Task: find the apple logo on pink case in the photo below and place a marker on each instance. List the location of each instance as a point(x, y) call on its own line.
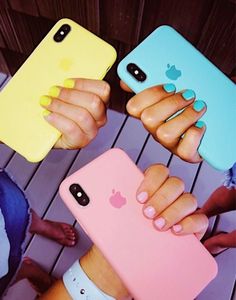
point(117, 200)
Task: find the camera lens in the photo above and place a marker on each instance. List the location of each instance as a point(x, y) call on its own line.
point(62, 33)
point(136, 72)
point(79, 194)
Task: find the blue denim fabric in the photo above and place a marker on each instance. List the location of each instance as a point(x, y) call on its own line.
point(15, 209)
point(230, 177)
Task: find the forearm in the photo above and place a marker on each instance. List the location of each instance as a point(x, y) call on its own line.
point(98, 271)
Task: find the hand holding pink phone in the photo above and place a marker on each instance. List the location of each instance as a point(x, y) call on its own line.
point(153, 265)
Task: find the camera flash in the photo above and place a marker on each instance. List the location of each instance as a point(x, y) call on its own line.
point(62, 32)
point(136, 72)
point(79, 194)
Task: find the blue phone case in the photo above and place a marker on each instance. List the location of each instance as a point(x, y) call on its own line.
point(165, 56)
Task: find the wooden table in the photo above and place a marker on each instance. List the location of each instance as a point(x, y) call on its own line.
point(40, 183)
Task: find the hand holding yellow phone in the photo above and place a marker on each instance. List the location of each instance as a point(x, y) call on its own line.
point(68, 51)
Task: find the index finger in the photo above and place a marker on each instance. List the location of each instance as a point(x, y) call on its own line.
point(98, 87)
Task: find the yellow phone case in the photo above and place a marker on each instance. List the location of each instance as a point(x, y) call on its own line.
point(80, 54)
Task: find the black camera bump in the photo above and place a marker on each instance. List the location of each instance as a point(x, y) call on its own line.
point(136, 72)
point(62, 33)
point(79, 194)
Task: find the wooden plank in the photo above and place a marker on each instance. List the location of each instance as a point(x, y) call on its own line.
point(184, 170)
point(121, 19)
point(5, 154)
point(221, 287)
point(48, 176)
point(188, 17)
point(29, 30)
point(15, 167)
point(219, 34)
point(86, 13)
point(3, 65)
point(132, 137)
point(153, 153)
point(2, 42)
point(11, 60)
point(3, 77)
point(119, 98)
point(20, 290)
point(7, 29)
point(208, 180)
point(26, 6)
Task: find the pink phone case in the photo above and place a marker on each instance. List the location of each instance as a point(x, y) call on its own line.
point(153, 265)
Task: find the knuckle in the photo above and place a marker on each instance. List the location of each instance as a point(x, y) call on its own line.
point(158, 168)
point(192, 200)
point(163, 135)
point(148, 118)
point(205, 221)
point(185, 153)
point(106, 89)
point(82, 117)
point(71, 129)
point(96, 103)
point(188, 116)
point(132, 108)
point(177, 183)
point(162, 169)
point(176, 101)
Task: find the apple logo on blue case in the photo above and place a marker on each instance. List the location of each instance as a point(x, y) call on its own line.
point(173, 73)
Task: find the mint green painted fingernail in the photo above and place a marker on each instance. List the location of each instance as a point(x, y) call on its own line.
point(188, 95)
point(199, 105)
point(199, 124)
point(169, 87)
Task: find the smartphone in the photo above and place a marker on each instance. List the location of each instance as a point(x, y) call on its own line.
point(165, 56)
point(67, 51)
point(153, 265)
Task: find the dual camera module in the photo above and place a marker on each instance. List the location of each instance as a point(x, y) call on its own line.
point(62, 33)
point(79, 194)
point(136, 72)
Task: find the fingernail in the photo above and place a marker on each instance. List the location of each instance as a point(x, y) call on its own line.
point(199, 105)
point(177, 228)
point(46, 113)
point(142, 197)
point(149, 212)
point(159, 223)
point(169, 87)
point(188, 95)
point(45, 100)
point(69, 83)
point(199, 124)
point(54, 91)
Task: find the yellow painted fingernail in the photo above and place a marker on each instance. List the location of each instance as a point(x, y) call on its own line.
point(54, 91)
point(69, 83)
point(46, 113)
point(45, 100)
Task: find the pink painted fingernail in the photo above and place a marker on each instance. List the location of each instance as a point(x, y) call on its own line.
point(177, 228)
point(149, 212)
point(142, 197)
point(159, 223)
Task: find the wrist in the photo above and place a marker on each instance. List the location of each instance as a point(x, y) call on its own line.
point(101, 273)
